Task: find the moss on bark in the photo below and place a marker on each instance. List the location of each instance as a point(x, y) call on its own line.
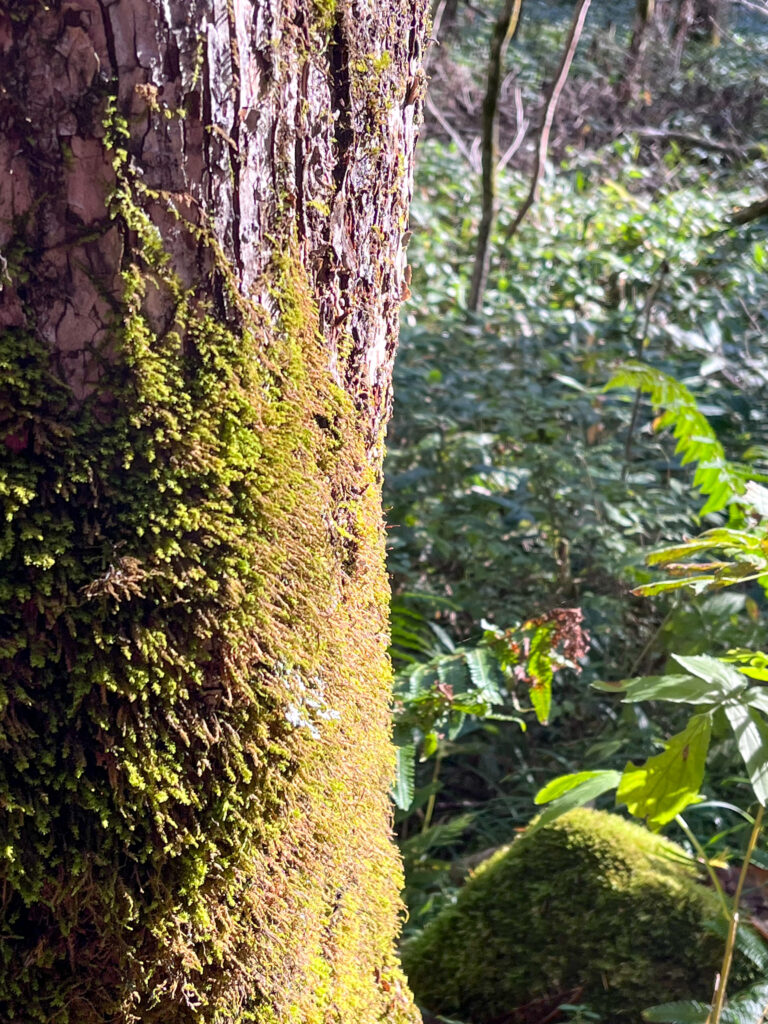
point(194, 732)
point(201, 220)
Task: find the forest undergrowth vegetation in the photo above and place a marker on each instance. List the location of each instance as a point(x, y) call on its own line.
point(525, 495)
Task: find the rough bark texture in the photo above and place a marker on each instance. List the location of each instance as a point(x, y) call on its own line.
point(202, 205)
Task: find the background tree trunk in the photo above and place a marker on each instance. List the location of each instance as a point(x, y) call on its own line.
point(202, 204)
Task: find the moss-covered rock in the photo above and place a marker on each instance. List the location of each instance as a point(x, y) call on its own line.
point(590, 903)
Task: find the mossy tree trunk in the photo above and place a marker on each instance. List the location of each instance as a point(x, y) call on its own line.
point(202, 204)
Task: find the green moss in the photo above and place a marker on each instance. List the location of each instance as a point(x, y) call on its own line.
point(195, 706)
point(590, 903)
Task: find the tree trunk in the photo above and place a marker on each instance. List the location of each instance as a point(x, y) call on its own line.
point(202, 204)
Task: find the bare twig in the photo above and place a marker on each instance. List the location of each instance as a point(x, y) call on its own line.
point(752, 212)
point(437, 20)
point(758, 8)
point(572, 41)
point(502, 34)
point(451, 132)
point(522, 127)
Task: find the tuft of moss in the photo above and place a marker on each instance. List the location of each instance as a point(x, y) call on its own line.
point(591, 903)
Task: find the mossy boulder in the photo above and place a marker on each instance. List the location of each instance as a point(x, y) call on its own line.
point(590, 908)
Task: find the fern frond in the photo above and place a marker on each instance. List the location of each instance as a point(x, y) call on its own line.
point(718, 479)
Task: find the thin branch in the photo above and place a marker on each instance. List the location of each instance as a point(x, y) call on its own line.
point(451, 132)
point(437, 21)
point(572, 41)
point(752, 212)
point(522, 127)
point(758, 8)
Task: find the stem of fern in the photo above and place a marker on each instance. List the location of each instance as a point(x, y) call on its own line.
point(719, 1003)
point(705, 859)
point(432, 797)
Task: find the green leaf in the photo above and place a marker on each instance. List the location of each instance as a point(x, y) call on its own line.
point(725, 680)
point(564, 783)
point(430, 746)
point(539, 668)
point(452, 672)
point(482, 664)
point(747, 1007)
point(667, 783)
point(581, 794)
point(682, 1012)
point(738, 540)
point(749, 942)
point(606, 687)
point(678, 689)
point(696, 440)
point(751, 732)
point(757, 697)
point(402, 791)
point(698, 584)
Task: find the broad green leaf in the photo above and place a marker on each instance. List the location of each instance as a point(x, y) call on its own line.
point(668, 782)
point(581, 794)
point(757, 697)
point(564, 783)
point(698, 584)
point(755, 673)
point(721, 538)
point(724, 680)
point(724, 537)
point(678, 689)
point(751, 732)
point(402, 791)
point(619, 686)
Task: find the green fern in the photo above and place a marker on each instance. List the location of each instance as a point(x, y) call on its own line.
point(717, 478)
point(747, 1007)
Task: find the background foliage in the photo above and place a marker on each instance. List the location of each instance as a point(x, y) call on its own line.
point(515, 483)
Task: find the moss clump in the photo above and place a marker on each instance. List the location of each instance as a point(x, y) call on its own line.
point(590, 902)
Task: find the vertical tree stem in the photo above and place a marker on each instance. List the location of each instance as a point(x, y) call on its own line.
point(502, 34)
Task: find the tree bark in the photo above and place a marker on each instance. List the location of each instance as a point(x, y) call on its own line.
point(202, 207)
